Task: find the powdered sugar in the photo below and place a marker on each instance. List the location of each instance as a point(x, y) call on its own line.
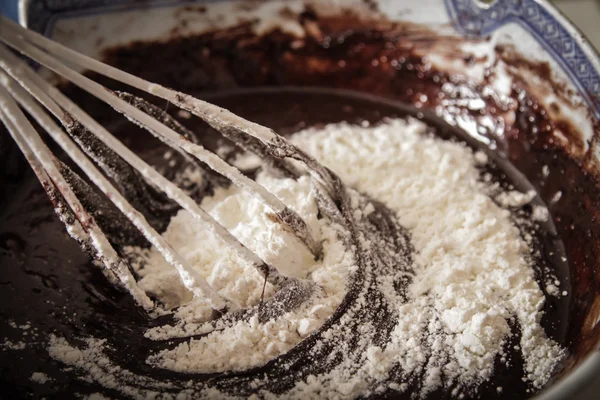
point(449, 320)
point(250, 343)
point(246, 343)
point(540, 213)
point(471, 269)
point(97, 367)
point(247, 219)
point(40, 377)
point(11, 345)
point(514, 198)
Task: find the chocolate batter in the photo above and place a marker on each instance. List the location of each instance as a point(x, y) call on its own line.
point(47, 281)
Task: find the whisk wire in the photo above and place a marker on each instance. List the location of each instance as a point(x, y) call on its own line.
point(45, 166)
point(166, 134)
point(217, 117)
point(25, 75)
point(191, 279)
point(19, 83)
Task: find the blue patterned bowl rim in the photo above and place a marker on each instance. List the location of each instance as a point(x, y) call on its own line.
point(552, 30)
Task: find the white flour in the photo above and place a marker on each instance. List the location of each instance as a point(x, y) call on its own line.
point(247, 343)
point(247, 219)
point(10, 345)
point(39, 377)
point(472, 276)
point(97, 367)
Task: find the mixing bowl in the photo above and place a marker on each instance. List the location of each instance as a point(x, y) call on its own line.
point(520, 53)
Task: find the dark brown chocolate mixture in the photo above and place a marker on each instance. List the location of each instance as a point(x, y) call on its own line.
point(48, 282)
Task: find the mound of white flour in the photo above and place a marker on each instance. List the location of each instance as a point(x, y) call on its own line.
point(471, 272)
point(247, 343)
point(472, 276)
point(248, 220)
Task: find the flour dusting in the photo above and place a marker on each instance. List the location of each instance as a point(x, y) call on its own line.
point(437, 316)
point(40, 377)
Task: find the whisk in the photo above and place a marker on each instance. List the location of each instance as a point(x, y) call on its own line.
point(23, 88)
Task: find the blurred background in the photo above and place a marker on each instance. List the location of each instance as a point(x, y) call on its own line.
point(585, 14)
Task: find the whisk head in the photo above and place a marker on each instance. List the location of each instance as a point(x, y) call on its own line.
point(124, 178)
